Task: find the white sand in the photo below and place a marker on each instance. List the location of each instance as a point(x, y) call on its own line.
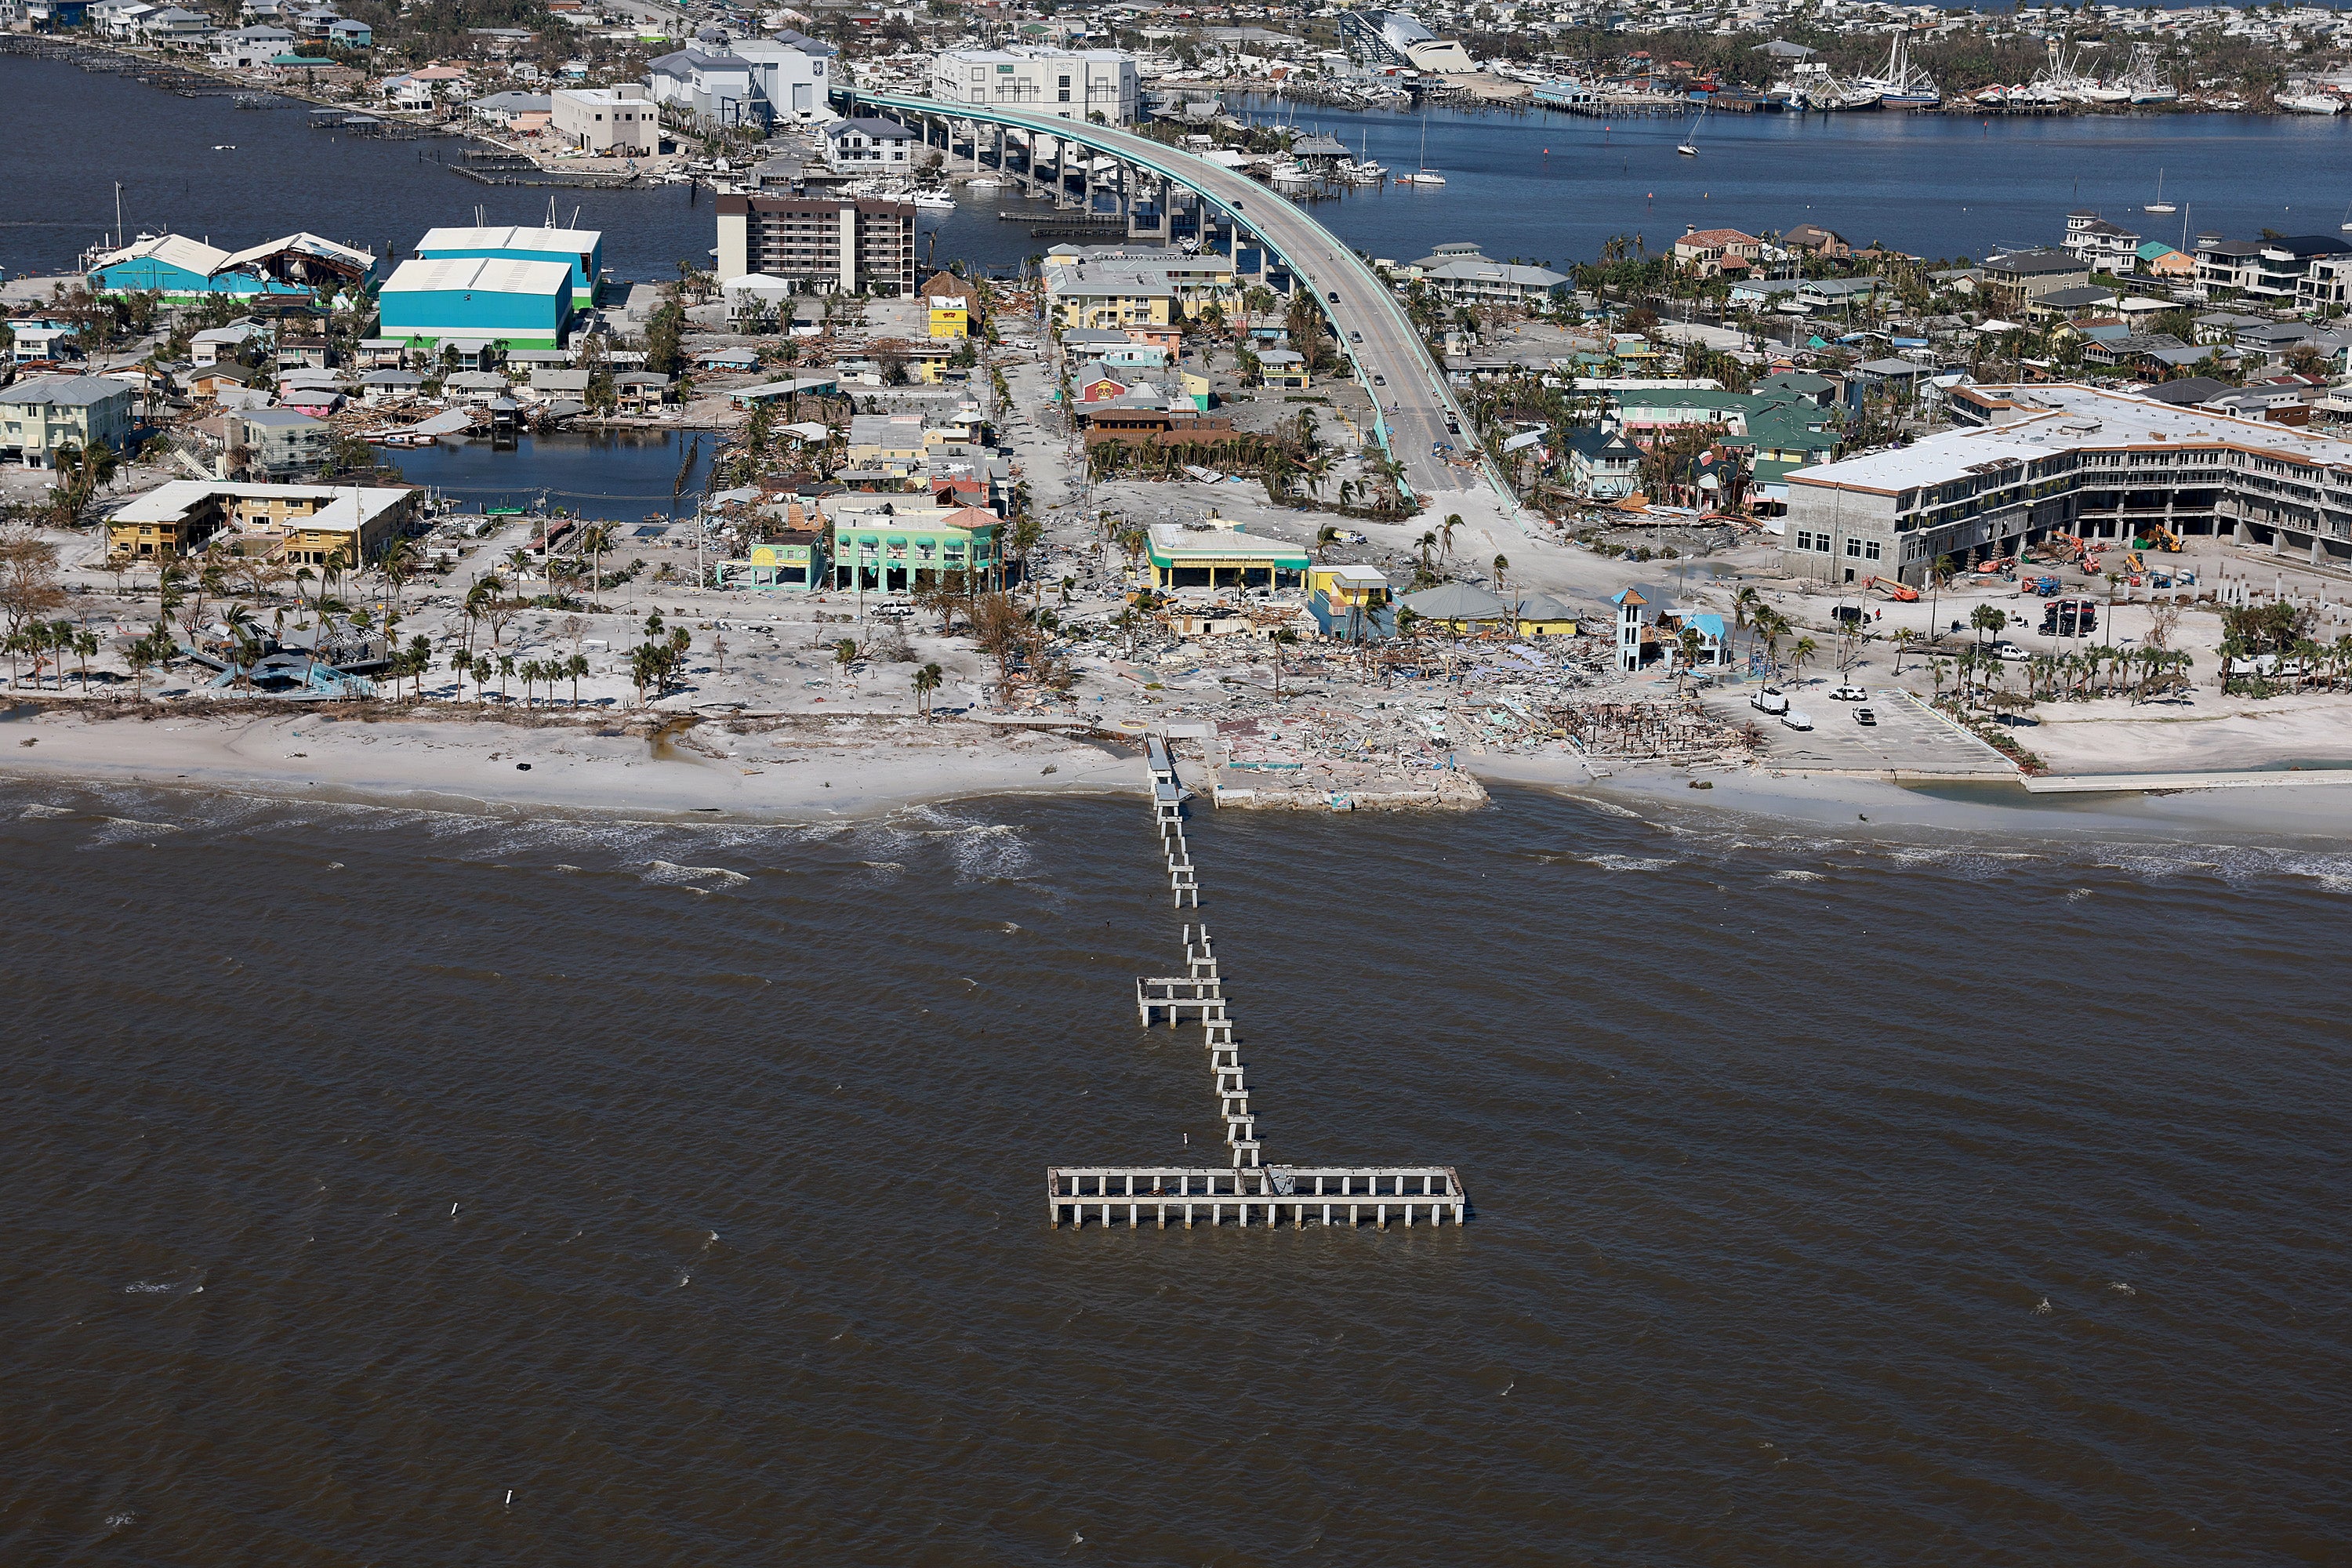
point(798, 771)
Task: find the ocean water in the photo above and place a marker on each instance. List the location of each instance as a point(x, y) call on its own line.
point(1531, 184)
point(1858, 1200)
point(619, 475)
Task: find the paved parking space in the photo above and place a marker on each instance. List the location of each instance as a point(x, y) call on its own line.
point(1907, 737)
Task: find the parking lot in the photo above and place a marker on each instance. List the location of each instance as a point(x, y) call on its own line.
point(1907, 737)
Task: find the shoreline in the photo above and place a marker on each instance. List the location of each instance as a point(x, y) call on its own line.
point(734, 769)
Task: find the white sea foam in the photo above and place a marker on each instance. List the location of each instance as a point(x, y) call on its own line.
point(1628, 862)
point(666, 873)
point(1610, 806)
point(1799, 876)
point(40, 811)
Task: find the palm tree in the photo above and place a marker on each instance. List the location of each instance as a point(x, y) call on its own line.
point(1445, 535)
point(844, 654)
point(1425, 544)
point(575, 667)
point(1282, 638)
point(926, 680)
point(1502, 565)
point(1804, 649)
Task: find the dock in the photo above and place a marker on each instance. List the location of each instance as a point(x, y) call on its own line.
point(1250, 1190)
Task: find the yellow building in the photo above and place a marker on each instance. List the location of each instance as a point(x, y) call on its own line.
point(1098, 296)
point(949, 298)
point(304, 525)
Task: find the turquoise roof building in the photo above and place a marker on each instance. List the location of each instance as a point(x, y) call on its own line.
point(580, 250)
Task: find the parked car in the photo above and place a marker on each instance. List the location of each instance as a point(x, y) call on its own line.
point(1846, 613)
point(1849, 694)
point(2010, 652)
point(1796, 720)
point(1769, 701)
point(891, 612)
point(1865, 716)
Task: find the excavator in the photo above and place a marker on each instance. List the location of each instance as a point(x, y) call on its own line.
point(2155, 536)
point(1900, 593)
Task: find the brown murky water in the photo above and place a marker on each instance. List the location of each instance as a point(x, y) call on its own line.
point(1836, 1202)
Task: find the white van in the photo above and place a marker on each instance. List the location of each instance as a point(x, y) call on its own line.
point(1796, 720)
point(1769, 701)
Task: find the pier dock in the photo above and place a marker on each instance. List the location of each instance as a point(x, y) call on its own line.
point(1251, 1188)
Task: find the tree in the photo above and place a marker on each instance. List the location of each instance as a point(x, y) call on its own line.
point(926, 680)
point(1987, 618)
point(28, 579)
point(575, 667)
point(1804, 649)
point(844, 654)
point(154, 648)
point(1502, 565)
point(1283, 637)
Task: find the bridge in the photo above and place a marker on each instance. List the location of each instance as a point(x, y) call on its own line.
point(1415, 413)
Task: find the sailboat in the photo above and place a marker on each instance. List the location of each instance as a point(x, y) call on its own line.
point(2346, 225)
point(1688, 147)
point(2160, 204)
point(1424, 175)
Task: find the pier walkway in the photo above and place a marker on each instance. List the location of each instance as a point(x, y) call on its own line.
point(1251, 1188)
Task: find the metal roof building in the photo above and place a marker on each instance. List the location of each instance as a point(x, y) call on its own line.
point(523, 304)
point(580, 250)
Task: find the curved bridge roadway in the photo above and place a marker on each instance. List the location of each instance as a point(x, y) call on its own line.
point(1392, 351)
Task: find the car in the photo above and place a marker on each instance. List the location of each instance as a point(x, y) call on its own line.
point(1452, 426)
point(1849, 694)
point(891, 612)
point(1355, 337)
point(1769, 701)
point(1865, 716)
point(1378, 380)
point(1350, 536)
point(1796, 720)
point(2011, 652)
point(1333, 296)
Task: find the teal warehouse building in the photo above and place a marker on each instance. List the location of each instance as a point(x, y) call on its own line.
point(521, 304)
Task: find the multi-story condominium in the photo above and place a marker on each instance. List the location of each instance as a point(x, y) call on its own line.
point(2032, 461)
point(1069, 84)
point(2266, 268)
point(819, 246)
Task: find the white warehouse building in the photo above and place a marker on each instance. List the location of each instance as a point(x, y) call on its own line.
point(1071, 84)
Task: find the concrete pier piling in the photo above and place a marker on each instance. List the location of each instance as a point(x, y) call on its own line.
point(1251, 1190)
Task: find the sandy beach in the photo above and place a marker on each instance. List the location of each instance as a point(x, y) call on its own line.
point(783, 769)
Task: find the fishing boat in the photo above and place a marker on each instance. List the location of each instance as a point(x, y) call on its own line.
point(1905, 86)
point(2160, 205)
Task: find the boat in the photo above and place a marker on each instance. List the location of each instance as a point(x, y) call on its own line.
point(933, 201)
point(2310, 103)
point(2346, 225)
point(1905, 86)
point(2160, 204)
point(1688, 146)
point(983, 184)
point(1424, 175)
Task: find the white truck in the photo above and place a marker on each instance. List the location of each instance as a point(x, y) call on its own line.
point(1769, 701)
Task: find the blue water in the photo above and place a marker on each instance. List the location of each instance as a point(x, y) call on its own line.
point(621, 476)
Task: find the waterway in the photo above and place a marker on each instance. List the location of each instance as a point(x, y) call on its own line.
point(401, 1187)
point(1525, 183)
point(623, 476)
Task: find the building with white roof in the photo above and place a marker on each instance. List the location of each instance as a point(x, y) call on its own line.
point(492, 300)
point(300, 524)
point(2065, 459)
point(580, 250)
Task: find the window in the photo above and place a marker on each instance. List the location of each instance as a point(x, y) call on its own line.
point(1804, 539)
point(1869, 550)
point(1853, 549)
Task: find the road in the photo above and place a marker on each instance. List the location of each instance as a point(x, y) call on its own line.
point(1392, 360)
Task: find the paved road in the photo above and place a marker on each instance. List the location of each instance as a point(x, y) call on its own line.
point(1392, 358)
